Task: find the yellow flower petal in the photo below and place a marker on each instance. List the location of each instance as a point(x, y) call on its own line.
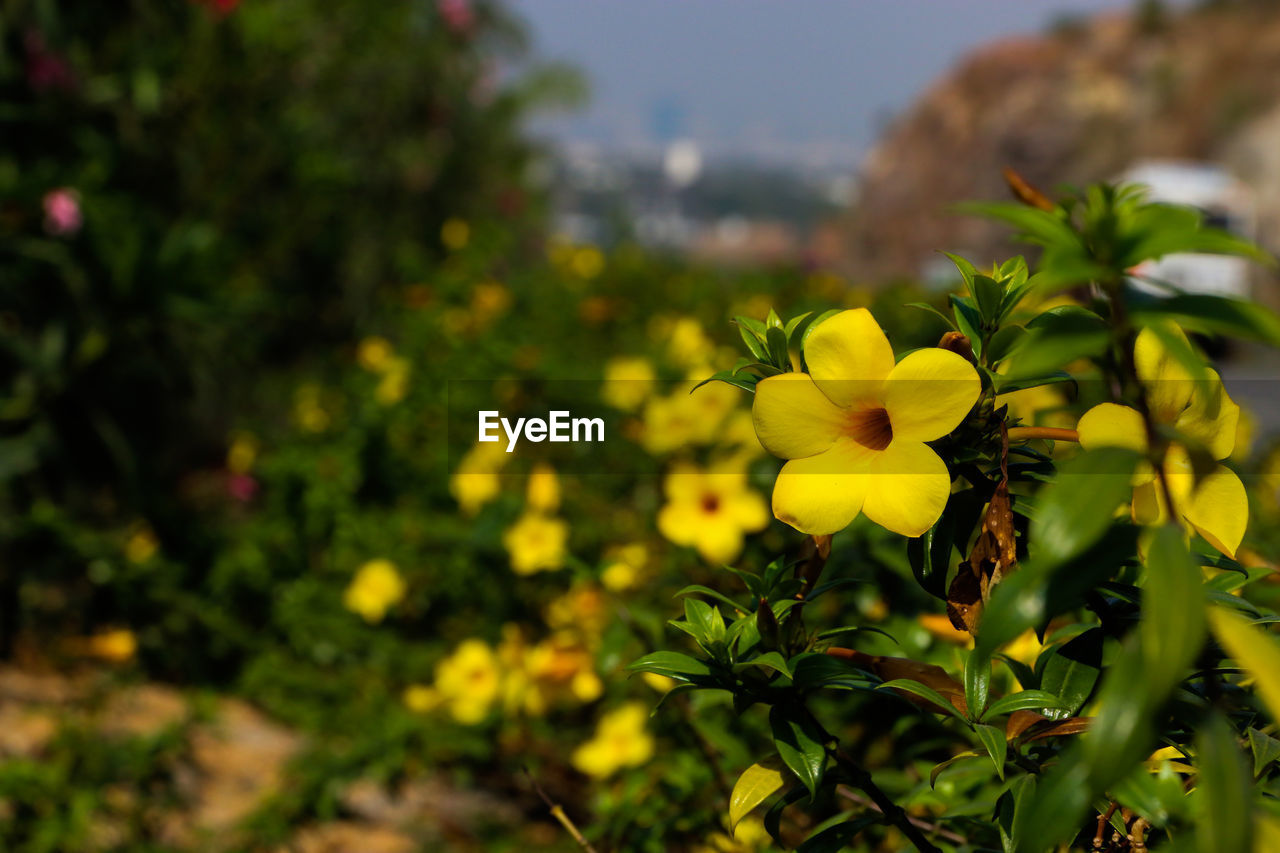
point(1148, 503)
point(1167, 382)
point(928, 394)
point(793, 419)
point(822, 494)
point(908, 488)
point(848, 356)
point(1219, 510)
point(1112, 425)
point(1211, 418)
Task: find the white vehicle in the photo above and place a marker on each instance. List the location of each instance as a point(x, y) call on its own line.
point(1225, 202)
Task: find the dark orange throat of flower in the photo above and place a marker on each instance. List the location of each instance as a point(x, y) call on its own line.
point(710, 503)
point(870, 428)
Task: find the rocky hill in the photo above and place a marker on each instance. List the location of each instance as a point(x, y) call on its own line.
point(1078, 104)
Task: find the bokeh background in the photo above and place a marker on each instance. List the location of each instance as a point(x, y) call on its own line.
point(255, 593)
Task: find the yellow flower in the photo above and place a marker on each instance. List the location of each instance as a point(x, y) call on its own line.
point(854, 429)
point(394, 383)
point(710, 510)
point(1216, 505)
point(489, 299)
point(749, 837)
point(687, 344)
point(373, 353)
point(475, 482)
point(420, 698)
point(242, 453)
point(542, 494)
point(587, 262)
point(687, 416)
point(620, 741)
point(455, 234)
point(627, 382)
point(624, 567)
point(1025, 648)
point(469, 681)
point(376, 587)
point(115, 646)
point(660, 683)
point(536, 543)
point(582, 610)
point(308, 412)
point(142, 544)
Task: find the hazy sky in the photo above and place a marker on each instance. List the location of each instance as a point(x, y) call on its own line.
point(765, 74)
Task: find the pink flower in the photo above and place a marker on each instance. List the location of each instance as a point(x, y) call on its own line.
point(221, 7)
point(242, 487)
point(62, 216)
point(457, 15)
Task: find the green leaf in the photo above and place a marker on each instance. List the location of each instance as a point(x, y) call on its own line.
point(930, 554)
point(915, 688)
point(1203, 312)
point(969, 321)
point(814, 669)
point(836, 838)
point(1004, 343)
point(977, 682)
point(1173, 612)
point(1071, 673)
point(1025, 700)
point(1256, 652)
point(754, 343)
point(966, 269)
point(1122, 734)
point(673, 664)
point(1075, 511)
point(705, 620)
point(955, 759)
point(1058, 337)
point(1265, 750)
point(773, 817)
point(925, 306)
point(994, 742)
point(800, 746)
point(777, 340)
point(698, 589)
point(768, 660)
point(744, 381)
point(756, 784)
point(987, 293)
point(1223, 793)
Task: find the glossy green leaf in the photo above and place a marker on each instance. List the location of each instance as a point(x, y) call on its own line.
point(673, 664)
point(1265, 750)
point(756, 784)
point(993, 741)
point(1223, 793)
point(799, 745)
point(1058, 337)
point(1026, 700)
point(1071, 672)
point(977, 682)
point(1074, 512)
point(1173, 612)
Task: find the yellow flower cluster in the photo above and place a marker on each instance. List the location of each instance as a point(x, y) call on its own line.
point(376, 355)
point(582, 263)
point(475, 482)
point(375, 588)
point(309, 411)
point(628, 382)
point(621, 740)
point(537, 541)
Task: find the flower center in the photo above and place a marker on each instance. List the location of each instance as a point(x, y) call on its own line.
point(710, 503)
point(870, 428)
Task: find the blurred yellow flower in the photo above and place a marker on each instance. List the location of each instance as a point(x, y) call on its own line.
point(420, 698)
point(660, 683)
point(583, 609)
point(687, 343)
point(455, 234)
point(1215, 506)
point(115, 646)
point(710, 510)
point(559, 668)
point(308, 412)
point(628, 381)
point(939, 625)
point(621, 740)
point(394, 383)
point(469, 681)
point(242, 453)
point(1026, 647)
point(373, 353)
point(687, 417)
point(749, 837)
point(587, 262)
point(1044, 405)
point(142, 544)
point(376, 587)
point(476, 482)
point(854, 429)
point(542, 493)
point(489, 300)
point(624, 567)
point(536, 543)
